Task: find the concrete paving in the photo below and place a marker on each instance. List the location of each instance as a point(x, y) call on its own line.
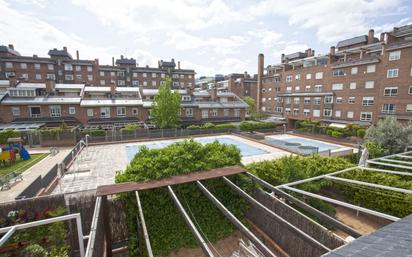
point(40, 168)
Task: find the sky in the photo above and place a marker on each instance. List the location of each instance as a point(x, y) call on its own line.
point(210, 36)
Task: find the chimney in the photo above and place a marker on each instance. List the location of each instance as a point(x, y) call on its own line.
point(121, 57)
point(112, 88)
point(12, 81)
point(370, 36)
point(282, 58)
point(178, 65)
point(112, 61)
point(11, 46)
point(65, 48)
point(50, 85)
point(309, 52)
point(213, 93)
point(382, 37)
point(77, 54)
point(312, 53)
point(35, 56)
point(261, 63)
point(332, 51)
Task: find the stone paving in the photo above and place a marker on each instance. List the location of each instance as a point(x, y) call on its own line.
point(97, 165)
point(40, 168)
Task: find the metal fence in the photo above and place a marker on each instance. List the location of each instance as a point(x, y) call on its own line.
point(95, 245)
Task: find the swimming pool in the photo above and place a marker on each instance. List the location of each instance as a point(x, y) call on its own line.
point(245, 149)
point(301, 145)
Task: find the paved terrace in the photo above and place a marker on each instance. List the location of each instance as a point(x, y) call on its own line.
point(40, 168)
point(97, 165)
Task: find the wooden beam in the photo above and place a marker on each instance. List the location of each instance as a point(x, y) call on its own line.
point(107, 231)
point(173, 180)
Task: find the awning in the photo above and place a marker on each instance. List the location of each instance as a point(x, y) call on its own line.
point(337, 125)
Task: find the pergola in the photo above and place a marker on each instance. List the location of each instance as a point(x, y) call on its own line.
point(101, 227)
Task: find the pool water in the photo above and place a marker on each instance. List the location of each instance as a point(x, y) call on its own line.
point(306, 142)
point(245, 149)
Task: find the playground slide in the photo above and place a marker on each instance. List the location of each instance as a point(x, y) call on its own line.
point(24, 154)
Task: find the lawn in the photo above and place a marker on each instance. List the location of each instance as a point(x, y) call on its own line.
point(20, 165)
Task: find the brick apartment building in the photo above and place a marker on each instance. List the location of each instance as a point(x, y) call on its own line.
point(361, 80)
point(60, 88)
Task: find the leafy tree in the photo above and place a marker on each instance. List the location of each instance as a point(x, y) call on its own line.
point(390, 134)
point(253, 111)
point(166, 106)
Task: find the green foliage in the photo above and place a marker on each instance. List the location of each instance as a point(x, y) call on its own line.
point(337, 134)
point(315, 127)
point(166, 227)
point(385, 201)
point(213, 126)
point(254, 113)
point(129, 129)
point(51, 132)
point(361, 133)
point(193, 127)
point(4, 135)
point(94, 132)
point(166, 106)
point(375, 150)
point(251, 126)
point(225, 126)
point(391, 134)
point(208, 125)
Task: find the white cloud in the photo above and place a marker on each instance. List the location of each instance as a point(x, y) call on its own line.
point(332, 21)
point(230, 65)
point(267, 38)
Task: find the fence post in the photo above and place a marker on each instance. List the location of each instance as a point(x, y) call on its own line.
point(107, 229)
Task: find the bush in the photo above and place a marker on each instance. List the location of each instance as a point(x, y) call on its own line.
point(208, 125)
point(94, 132)
point(4, 135)
point(193, 127)
point(166, 227)
point(361, 132)
point(129, 129)
point(225, 126)
point(329, 132)
point(337, 134)
point(375, 150)
point(251, 126)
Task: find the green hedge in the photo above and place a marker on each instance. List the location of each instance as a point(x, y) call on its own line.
point(251, 126)
point(4, 135)
point(165, 225)
point(213, 126)
point(94, 132)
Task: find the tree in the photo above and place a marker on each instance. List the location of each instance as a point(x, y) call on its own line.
point(166, 106)
point(390, 135)
point(253, 112)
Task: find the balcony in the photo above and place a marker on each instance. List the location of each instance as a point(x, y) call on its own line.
point(349, 63)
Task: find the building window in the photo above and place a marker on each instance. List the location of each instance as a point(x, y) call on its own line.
point(51, 76)
point(37, 66)
point(410, 90)
point(287, 111)
point(296, 100)
point(154, 75)
point(226, 112)
point(189, 112)
point(297, 88)
point(72, 110)
point(90, 77)
point(369, 84)
point(144, 83)
point(390, 91)
point(307, 88)
point(319, 75)
point(162, 75)
point(50, 66)
point(367, 101)
point(68, 67)
point(55, 111)
point(278, 109)
point(309, 76)
point(316, 113)
point(89, 68)
point(34, 111)
point(121, 82)
point(349, 115)
point(306, 100)
point(288, 89)
point(135, 111)
point(186, 98)
point(154, 83)
point(135, 83)
point(289, 78)
point(112, 73)
point(351, 100)
point(316, 100)
point(366, 116)
point(392, 73)
point(354, 71)
point(121, 111)
point(38, 76)
point(297, 77)
point(371, 68)
point(214, 112)
point(409, 107)
point(237, 113)
point(205, 114)
point(338, 114)
point(337, 86)
point(68, 77)
point(90, 112)
point(102, 82)
point(120, 73)
point(338, 73)
point(101, 73)
point(287, 100)
point(327, 112)
point(295, 112)
point(24, 76)
point(9, 65)
point(328, 99)
point(352, 85)
point(318, 88)
point(9, 74)
point(23, 66)
point(105, 112)
point(79, 77)
point(388, 108)
point(15, 111)
point(78, 68)
point(395, 55)
point(306, 112)
point(339, 100)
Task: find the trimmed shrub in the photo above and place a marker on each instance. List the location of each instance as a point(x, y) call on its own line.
point(94, 132)
point(166, 227)
point(225, 126)
point(251, 126)
point(361, 132)
point(337, 134)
